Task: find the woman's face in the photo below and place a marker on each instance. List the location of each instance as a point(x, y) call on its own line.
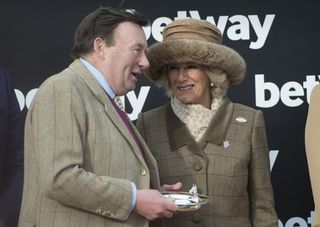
point(190, 83)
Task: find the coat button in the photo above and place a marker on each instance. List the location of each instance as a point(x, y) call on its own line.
point(98, 211)
point(143, 172)
point(196, 218)
point(197, 166)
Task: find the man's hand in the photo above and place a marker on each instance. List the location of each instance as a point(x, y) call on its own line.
point(151, 205)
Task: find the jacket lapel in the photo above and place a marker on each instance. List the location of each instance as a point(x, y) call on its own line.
point(219, 125)
point(100, 94)
point(178, 132)
point(148, 159)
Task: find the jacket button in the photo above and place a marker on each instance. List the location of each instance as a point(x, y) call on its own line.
point(143, 172)
point(196, 218)
point(197, 165)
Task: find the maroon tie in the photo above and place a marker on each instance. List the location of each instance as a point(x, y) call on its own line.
point(124, 118)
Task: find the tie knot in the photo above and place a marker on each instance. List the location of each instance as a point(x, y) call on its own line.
point(119, 103)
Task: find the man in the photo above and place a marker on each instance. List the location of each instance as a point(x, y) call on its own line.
point(85, 163)
point(11, 153)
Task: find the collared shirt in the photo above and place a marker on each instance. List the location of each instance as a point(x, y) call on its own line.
point(107, 88)
point(99, 77)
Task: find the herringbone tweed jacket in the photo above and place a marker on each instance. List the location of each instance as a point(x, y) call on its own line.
point(80, 158)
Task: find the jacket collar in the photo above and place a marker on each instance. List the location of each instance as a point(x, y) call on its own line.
point(84, 74)
point(179, 134)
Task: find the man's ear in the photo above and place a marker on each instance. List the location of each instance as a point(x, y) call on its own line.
point(99, 46)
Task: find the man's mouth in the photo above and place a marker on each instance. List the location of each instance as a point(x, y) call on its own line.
point(136, 74)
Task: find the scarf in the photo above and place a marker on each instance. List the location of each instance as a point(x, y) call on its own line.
point(195, 116)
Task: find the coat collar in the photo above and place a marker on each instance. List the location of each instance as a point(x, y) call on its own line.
point(179, 134)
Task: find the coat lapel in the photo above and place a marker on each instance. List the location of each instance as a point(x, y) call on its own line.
point(149, 159)
point(219, 125)
point(178, 132)
point(100, 94)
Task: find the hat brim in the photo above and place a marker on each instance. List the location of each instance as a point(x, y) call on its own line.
point(196, 51)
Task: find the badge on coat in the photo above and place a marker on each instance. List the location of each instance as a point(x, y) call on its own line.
point(241, 120)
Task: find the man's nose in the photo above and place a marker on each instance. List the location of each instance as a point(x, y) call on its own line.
point(144, 62)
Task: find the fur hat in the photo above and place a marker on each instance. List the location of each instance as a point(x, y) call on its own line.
point(196, 41)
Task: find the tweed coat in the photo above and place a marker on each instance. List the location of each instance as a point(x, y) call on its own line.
point(80, 157)
point(230, 164)
point(312, 140)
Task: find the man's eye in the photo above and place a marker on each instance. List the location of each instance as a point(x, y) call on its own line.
point(137, 51)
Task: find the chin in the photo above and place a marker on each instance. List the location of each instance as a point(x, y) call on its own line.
point(131, 88)
point(185, 100)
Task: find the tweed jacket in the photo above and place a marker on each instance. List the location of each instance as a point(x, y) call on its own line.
point(230, 164)
point(80, 158)
point(312, 140)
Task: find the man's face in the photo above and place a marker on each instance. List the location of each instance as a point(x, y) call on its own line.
point(124, 61)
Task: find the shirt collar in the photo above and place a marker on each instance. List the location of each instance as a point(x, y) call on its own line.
point(99, 77)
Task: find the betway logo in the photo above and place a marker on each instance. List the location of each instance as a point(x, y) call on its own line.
point(291, 94)
point(236, 27)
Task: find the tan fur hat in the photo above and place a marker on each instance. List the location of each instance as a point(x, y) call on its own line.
point(197, 41)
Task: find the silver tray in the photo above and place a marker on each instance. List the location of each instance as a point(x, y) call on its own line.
point(187, 201)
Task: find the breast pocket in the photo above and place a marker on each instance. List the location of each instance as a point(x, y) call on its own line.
point(228, 168)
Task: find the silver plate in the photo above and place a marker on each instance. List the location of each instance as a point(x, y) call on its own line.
point(186, 201)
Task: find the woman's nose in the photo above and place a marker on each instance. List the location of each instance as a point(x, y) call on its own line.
point(182, 73)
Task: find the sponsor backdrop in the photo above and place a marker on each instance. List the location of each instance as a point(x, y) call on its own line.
point(278, 39)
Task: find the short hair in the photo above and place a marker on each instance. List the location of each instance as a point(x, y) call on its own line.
point(102, 23)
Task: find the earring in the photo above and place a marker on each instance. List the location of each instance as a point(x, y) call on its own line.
point(211, 84)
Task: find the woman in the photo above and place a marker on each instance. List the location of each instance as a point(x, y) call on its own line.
point(312, 140)
point(202, 137)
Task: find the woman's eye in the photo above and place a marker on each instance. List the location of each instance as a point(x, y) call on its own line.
point(192, 66)
point(172, 67)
